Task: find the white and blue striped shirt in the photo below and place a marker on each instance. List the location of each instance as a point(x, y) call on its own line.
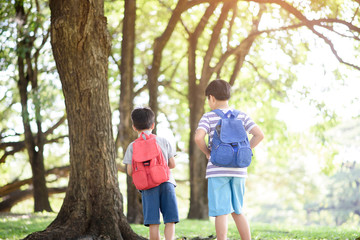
point(208, 122)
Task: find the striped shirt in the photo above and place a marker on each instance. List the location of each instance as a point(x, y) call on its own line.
point(208, 122)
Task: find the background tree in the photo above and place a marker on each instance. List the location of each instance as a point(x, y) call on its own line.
point(343, 194)
point(126, 134)
point(122, 56)
point(31, 36)
point(28, 74)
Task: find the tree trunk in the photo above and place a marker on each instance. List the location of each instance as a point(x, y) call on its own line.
point(92, 207)
point(198, 162)
point(134, 207)
point(126, 133)
point(27, 74)
point(35, 152)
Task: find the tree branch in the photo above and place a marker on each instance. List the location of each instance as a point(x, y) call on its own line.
point(56, 125)
point(311, 23)
point(332, 47)
point(279, 92)
point(13, 186)
point(20, 146)
point(241, 54)
point(207, 70)
point(21, 195)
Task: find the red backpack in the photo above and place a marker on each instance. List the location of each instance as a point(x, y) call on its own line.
point(149, 166)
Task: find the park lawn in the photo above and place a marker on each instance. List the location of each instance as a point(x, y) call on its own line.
point(19, 226)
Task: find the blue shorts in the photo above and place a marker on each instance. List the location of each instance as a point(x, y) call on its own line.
point(225, 195)
point(160, 199)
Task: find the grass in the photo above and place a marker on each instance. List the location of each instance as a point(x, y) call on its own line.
point(17, 226)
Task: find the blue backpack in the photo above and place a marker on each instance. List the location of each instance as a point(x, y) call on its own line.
point(230, 145)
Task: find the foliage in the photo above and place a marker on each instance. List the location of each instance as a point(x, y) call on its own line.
point(342, 195)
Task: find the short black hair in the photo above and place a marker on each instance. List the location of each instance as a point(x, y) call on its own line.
point(220, 89)
point(142, 118)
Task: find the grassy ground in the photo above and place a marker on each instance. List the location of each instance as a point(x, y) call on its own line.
point(19, 226)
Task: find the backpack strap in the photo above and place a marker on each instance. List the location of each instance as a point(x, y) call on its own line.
point(219, 113)
point(236, 113)
point(144, 136)
point(145, 147)
point(233, 114)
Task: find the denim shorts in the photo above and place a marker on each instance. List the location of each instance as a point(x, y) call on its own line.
point(225, 195)
point(160, 199)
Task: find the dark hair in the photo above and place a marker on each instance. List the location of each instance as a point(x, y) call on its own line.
point(220, 89)
point(142, 118)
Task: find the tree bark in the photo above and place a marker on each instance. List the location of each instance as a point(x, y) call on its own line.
point(92, 207)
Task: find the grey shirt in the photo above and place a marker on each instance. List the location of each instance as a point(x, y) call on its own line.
point(166, 149)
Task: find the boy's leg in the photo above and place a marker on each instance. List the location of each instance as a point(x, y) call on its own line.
point(238, 192)
point(151, 206)
point(221, 227)
point(154, 232)
point(219, 196)
point(168, 203)
point(169, 231)
point(242, 226)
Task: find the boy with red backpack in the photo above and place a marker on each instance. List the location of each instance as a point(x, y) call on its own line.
point(148, 160)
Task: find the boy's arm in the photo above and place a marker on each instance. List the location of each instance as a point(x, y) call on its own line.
point(200, 142)
point(129, 169)
point(257, 137)
point(171, 162)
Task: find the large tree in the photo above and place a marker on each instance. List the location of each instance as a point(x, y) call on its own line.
point(92, 206)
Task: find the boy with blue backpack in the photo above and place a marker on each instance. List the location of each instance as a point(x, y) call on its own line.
point(229, 153)
point(148, 160)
